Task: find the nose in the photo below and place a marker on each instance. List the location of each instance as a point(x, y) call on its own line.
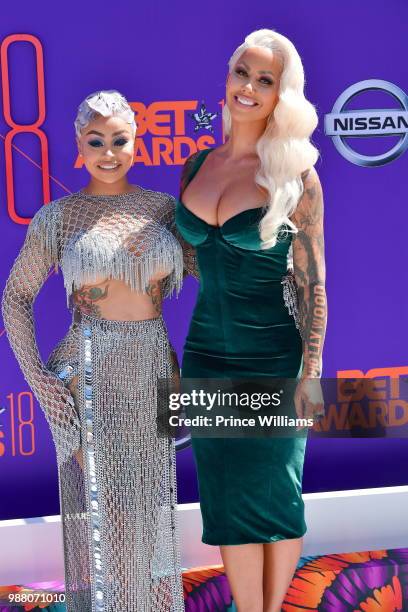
point(247, 87)
point(108, 153)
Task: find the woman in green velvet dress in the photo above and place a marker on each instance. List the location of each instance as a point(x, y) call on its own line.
point(253, 210)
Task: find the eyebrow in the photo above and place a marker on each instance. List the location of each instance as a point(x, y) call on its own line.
point(259, 71)
point(101, 134)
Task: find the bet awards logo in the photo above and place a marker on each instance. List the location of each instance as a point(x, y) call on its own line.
point(341, 123)
point(168, 131)
point(203, 119)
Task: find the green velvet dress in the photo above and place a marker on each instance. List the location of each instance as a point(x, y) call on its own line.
point(250, 489)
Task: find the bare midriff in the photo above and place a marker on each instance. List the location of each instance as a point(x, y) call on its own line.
point(114, 300)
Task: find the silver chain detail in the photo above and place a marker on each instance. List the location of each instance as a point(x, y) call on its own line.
point(119, 510)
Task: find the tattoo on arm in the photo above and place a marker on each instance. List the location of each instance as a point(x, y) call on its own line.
point(312, 301)
point(86, 298)
point(309, 269)
point(153, 290)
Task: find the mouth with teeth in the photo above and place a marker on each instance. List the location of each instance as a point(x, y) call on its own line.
point(109, 167)
point(244, 101)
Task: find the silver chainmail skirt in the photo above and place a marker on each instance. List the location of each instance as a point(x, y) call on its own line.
point(119, 511)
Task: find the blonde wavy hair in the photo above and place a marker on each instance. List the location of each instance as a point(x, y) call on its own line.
point(284, 149)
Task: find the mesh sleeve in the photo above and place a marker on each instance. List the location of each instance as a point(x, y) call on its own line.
point(30, 270)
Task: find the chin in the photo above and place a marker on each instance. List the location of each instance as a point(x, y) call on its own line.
point(244, 116)
point(109, 178)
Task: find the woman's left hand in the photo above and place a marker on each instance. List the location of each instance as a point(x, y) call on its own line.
point(309, 402)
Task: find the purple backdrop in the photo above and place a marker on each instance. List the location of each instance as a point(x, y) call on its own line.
point(177, 52)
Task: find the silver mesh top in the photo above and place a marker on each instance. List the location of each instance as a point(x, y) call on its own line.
point(128, 237)
point(118, 508)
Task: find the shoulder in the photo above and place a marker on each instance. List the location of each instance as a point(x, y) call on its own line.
point(309, 210)
point(311, 183)
point(193, 158)
point(159, 199)
point(44, 231)
point(161, 204)
point(189, 165)
point(312, 195)
point(48, 214)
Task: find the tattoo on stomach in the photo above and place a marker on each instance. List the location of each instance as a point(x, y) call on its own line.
point(86, 298)
point(154, 292)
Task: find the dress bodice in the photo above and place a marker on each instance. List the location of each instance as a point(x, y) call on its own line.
point(238, 237)
point(245, 290)
point(128, 237)
point(239, 233)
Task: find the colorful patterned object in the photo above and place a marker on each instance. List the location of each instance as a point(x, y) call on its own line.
point(372, 581)
point(367, 582)
point(207, 588)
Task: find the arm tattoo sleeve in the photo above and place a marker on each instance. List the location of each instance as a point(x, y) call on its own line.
point(310, 274)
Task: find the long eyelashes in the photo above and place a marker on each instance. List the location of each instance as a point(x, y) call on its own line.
point(120, 142)
point(244, 73)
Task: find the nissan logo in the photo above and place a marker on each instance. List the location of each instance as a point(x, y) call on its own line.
point(342, 123)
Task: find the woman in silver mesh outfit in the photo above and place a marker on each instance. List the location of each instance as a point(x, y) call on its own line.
point(116, 246)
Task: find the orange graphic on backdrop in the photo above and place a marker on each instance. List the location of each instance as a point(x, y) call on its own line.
point(165, 122)
point(16, 128)
point(367, 400)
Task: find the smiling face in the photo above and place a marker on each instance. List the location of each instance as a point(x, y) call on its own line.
point(107, 145)
point(252, 90)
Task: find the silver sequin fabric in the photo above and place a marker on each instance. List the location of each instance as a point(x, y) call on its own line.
point(119, 510)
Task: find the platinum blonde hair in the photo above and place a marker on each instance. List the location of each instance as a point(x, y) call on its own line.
point(284, 149)
point(108, 103)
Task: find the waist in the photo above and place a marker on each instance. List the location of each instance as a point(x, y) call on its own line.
point(139, 327)
point(114, 299)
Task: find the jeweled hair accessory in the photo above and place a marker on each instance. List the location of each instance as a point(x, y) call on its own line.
point(107, 104)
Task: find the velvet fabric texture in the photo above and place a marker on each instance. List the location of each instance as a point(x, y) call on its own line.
point(250, 489)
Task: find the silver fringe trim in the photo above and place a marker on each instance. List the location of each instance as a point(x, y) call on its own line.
point(290, 297)
point(85, 259)
point(94, 257)
point(45, 229)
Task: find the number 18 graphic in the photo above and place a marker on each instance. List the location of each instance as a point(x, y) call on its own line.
point(22, 428)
